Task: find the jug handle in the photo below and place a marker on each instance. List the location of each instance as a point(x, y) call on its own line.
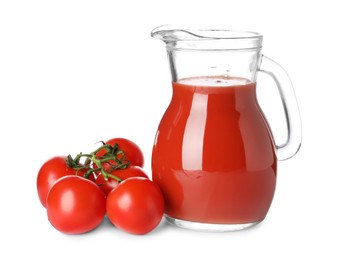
point(290, 107)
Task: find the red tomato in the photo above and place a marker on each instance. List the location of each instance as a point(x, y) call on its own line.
point(75, 205)
point(111, 183)
point(136, 205)
point(50, 172)
point(132, 151)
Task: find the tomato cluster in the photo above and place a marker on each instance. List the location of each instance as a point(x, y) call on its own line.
point(78, 194)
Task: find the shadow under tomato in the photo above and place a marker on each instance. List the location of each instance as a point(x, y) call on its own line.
point(107, 226)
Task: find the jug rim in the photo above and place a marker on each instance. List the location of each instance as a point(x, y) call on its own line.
point(207, 39)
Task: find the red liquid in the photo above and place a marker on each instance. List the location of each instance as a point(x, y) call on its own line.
point(213, 156)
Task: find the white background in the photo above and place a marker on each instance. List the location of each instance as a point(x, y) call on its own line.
point(76, 72)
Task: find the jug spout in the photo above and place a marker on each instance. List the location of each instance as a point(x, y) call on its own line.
point(169, 33)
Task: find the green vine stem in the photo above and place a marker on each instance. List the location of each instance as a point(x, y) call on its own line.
point(113, 156)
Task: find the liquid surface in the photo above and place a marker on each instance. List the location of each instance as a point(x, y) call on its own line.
point(214, 81)
point(213, 155)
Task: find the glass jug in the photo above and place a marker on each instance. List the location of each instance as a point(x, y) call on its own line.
point(214, 156)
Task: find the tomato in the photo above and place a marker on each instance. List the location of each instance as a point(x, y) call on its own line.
point(111, 183)
point(75, 205)
point(132, 151)
point(50, 172)
point(136, 205)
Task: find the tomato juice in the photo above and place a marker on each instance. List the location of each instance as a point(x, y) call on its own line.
point(213, 155)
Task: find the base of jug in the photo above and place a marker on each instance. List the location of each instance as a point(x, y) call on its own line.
point(207, 226)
